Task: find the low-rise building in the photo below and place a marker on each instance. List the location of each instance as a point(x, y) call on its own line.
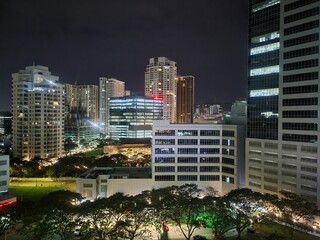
point(100, 182)
point(5, 196)
point(209, 155)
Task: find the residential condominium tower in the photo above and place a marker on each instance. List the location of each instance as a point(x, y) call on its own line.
point(37, 113)
point(185, 99)
point(282, 146)
point(160, 83)
point(108, 87)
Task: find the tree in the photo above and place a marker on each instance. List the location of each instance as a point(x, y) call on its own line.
point(216, 216)
point(37, 227)
point(63, 223)
point(183, 206)
point(294, 208)
point(8, 218)
point(63, 200)
point(156, 200)
point(102, 217)
point(69, 145)
point(54, 215)
point(136, 218)
point(243, 204)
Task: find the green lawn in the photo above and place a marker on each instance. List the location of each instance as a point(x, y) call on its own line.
point(34, 191)
point(94, 153)
point(266, 228)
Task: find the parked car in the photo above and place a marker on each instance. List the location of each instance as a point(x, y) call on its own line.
point(199, 237)
point(77, 231)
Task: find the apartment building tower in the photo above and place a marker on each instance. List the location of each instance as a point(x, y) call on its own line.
point(108, 87)
point(160, 83)
point(185, 99)
point(37, 113)
point(282, 146)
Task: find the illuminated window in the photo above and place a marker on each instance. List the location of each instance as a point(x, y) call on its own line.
point(265, 37)
point(264, 5)
point(264, 70)
point(264, 92)
point(265, 48)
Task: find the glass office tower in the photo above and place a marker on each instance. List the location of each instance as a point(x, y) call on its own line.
point(132, 116)
point(282, 147)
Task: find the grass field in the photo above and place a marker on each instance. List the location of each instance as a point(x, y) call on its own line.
point(35, 190)
point(266, 228)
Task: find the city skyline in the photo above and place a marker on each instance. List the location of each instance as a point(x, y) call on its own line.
point(81, 43)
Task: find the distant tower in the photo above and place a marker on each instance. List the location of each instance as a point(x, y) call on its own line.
point(81, 112)
point(37, 113)
point(160, 83)
point(185, 99)
point(108, 87)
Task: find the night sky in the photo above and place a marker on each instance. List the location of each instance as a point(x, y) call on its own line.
point(80, 40)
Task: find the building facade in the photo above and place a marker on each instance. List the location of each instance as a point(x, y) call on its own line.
point(282, 146)
point(209, 155)
point(5, 123)
point(132, 116)
point(160, 83)
point(37, 113)
point(81, 112)
point(4, 173)
point(108, 87)
point(185, 99)
point(101, 182)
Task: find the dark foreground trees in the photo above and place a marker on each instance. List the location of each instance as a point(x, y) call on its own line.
point(135, 217)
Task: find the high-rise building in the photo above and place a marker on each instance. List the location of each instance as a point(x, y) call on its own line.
point(37, 113)
point(81, 112)
point(132, 116)
point(108, 87)
point(185, 99)
point(282, 146)
point(82, 99)
point(160, 83)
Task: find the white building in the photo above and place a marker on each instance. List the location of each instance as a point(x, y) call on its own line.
point(102, 182)
point(4, 173)
point(37, 113)
point(108, 87)
point(5, 197)
point(160, 83)
point(208, 155)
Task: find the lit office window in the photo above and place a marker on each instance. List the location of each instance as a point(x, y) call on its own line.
point(265, 37)
point(264, 92)
point(264, 70)
point(265, 48)
point(264, 5)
